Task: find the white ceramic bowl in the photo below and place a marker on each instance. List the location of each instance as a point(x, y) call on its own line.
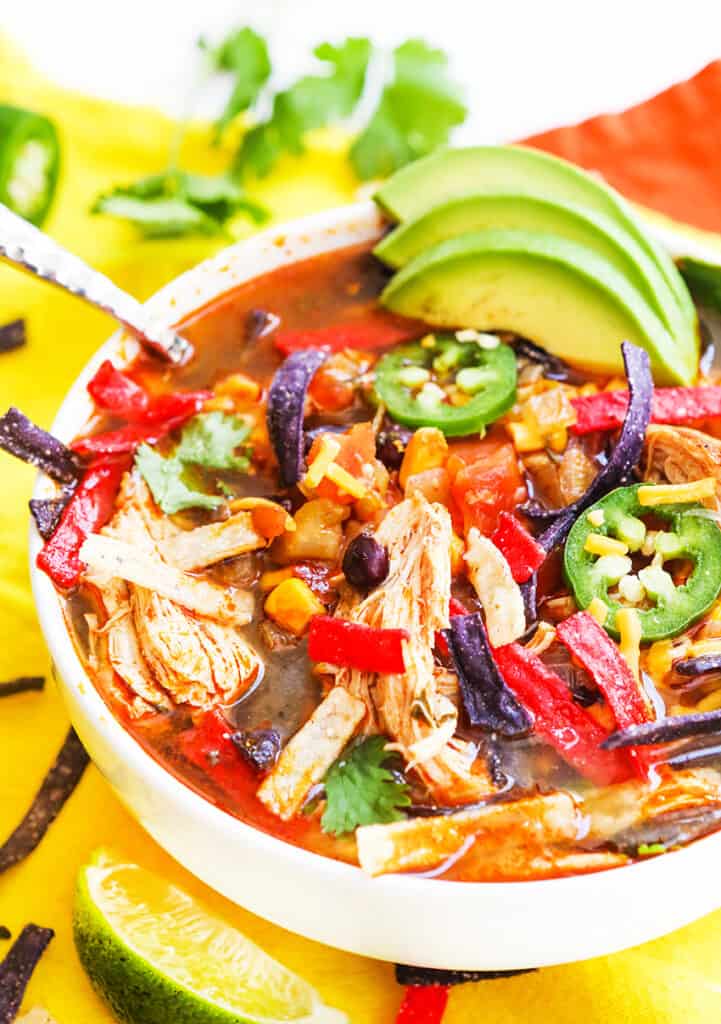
point(405, 919)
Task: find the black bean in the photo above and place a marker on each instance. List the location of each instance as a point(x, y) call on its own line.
point(259, 747)
point(365, 563)
point(391, 445)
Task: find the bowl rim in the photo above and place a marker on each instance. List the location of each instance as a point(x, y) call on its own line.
point(182, 297)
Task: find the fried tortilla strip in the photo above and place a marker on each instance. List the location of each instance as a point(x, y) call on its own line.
point(114, 559)
point(413, 708)
point(419, 844)
point(630, 805)
point(498, 592)
point(311, 752)
point(527, 858)
point(17, 968)
point(206, 545)
point(681, 455)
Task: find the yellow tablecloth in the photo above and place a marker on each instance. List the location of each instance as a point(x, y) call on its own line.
point(673, 980)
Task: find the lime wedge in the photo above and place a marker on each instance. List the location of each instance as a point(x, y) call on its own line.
point(157, 955)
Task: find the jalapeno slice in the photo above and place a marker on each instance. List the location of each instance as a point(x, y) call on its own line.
point(456, 386)
point(29, 162)
point(664, 608)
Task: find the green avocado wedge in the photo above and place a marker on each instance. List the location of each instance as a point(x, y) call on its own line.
point(491, 210)
point(451, 173)
point(557, 293)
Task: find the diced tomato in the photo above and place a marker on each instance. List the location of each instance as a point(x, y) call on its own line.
point(486, 481)
point(358, 449)
point(334, 384)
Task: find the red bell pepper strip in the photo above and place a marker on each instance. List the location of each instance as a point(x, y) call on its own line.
point(376, 330)
point(208, 746)
point(590, 644)
point(523, 554)
point(114, 391)
point(607, 409)
point(423, 1005)
point(354, 645)
point(165, 414)
point(562, 723)
point(455, 608)
point(89, 508)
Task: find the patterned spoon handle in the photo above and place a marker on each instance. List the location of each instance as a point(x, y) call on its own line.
point(30, 249)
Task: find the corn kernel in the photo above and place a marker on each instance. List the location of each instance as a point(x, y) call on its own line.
point(239, 386)
point(596, 517)
point(427, 449)
point(292, 604)
point(344, 481)
point(598, 609)
point(597, 544)
point(669, 494)
point(274, 577)
point(525, 438)
point(327, 452)
point(428, 341)
point(629, 629)
point(558, 440)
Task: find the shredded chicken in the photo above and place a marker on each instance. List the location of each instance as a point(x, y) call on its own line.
point(310, 753)
point(206, 545)
point(419, 844)
point(681, 455)
point(156, 646)
point(498, 592)
point(411, 708)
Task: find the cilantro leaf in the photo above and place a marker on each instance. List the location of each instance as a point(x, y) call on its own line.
point(361, 791)
point(179, 204)
point(244, 53)
point(415, 113)
point(164, 477)
point(312, 102)
point(211, 439)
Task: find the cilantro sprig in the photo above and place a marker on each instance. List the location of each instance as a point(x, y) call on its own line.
point(361, 789)
point(416, 112)
point(210, 440)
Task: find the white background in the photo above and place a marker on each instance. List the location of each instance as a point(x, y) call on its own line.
point(526, 64)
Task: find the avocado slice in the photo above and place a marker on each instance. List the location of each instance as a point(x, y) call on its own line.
point(490, 210)
point(450, 173)
point(558, 293)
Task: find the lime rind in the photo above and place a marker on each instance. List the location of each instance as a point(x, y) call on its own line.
point(157, 955)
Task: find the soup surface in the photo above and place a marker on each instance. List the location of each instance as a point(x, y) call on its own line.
point(383, 660)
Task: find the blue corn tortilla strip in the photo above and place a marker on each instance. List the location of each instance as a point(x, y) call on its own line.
point(627, 453)
point(57, 787)
point(47, 513)
point(12, 336)
point(285, 413)
point(665, 730)
point(698, 666)
point(422, 976)
point(22, 438)
point(487, 700)
point(18, 966)
point(23, 684)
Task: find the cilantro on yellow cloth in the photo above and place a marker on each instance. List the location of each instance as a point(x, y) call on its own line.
point(668, 981)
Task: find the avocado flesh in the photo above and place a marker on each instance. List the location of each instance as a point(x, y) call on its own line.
point(491, 210)
point(555, 292)
point(450, 173)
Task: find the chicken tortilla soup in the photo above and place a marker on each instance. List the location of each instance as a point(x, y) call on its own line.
point(416, 563)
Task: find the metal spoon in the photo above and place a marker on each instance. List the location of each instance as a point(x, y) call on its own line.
point(30, 249)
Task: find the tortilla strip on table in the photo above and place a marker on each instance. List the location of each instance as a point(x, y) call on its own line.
point(309, 754)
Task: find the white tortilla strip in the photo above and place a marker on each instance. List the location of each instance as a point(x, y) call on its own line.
point(500, 595)
point(311, 752)
point(419, 844)
point(206, 545)
point(114, 559)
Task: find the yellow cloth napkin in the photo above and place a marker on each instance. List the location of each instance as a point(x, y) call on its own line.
point(672, 980)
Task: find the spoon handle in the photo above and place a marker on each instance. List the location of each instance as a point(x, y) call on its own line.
point(30, 249)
